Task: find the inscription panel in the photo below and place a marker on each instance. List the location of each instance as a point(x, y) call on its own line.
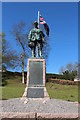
point(35, 92)
point(36, 73)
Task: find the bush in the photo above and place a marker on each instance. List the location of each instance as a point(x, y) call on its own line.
point(69, 76)
point(4, 82)
point(63, 82)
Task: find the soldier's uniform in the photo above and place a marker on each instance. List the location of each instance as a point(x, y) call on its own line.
point(36, 38)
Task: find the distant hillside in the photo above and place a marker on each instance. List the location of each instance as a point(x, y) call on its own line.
point(55, 78)
point(8, 74)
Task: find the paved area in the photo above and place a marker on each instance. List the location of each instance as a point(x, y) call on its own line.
point(38, 106)
point(38, 109)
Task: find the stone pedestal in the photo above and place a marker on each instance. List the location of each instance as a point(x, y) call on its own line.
point(36, 79)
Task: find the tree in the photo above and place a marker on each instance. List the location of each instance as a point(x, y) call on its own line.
point(9, 56)
point(19, 32)
point(69, 76)
point(69, 67)
point(61, 70)
point(75, 66)
point(73, 74)
point(70, 71)
point(66, 75)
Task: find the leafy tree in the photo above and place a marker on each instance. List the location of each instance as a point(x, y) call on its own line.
point(73, 74)
point(70, 71)
point(66, 75)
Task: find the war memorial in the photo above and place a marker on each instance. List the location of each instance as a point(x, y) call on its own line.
point(36, 67)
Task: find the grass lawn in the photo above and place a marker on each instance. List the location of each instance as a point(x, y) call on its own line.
point(64, 92)
point(15, 89)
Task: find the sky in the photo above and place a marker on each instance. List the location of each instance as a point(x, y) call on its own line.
point(62, 19)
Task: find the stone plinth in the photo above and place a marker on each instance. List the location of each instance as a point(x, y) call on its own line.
point(36, 79)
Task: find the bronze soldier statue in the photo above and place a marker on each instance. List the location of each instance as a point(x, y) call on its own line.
point(36, 38)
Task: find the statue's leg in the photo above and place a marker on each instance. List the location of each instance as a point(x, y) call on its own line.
point(37, 52)
point(40, 50)
point(33, 52)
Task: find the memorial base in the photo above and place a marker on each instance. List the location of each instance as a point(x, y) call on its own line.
point(35, 92)
point(36, 79)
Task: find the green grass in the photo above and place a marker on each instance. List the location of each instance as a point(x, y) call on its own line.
point(64, 92)
point(15, 89)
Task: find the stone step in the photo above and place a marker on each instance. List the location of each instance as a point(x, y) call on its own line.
point(37, 116)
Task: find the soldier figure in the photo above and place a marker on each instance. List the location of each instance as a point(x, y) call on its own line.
point(36, 38)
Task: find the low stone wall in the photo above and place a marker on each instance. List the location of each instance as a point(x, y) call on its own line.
point(63, 82)
point(37, 116)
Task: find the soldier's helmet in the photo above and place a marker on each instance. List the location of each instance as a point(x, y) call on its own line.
point(35, 24)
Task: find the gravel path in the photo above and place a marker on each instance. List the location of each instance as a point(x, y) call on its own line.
point(39, 106)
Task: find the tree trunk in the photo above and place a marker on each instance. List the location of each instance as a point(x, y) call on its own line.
point(22, 56)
